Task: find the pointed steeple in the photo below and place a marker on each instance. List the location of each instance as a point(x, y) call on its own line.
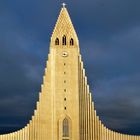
point(64, 33)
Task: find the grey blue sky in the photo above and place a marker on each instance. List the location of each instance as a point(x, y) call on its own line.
point(109, 35)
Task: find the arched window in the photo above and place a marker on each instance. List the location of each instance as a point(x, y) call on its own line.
point(65, 127)
point(56, 41)
point(64, 40)
point(71, 42)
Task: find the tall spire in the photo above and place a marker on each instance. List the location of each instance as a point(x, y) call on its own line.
point(64, 27)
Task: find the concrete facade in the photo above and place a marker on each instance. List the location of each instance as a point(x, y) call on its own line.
point(65, 110)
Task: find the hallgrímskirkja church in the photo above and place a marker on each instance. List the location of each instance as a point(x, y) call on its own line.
point(65, 110)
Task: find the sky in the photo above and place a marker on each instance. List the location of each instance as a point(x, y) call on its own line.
point(109, 36)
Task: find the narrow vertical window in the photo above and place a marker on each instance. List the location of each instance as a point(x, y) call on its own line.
point(65, 128)
point(64, 40)
point(56, 41)
point(71, 42)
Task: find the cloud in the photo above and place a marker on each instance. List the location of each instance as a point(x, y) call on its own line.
point(107, 17)
point(113, 73)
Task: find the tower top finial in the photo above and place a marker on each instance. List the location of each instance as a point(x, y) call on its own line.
point(64, 5)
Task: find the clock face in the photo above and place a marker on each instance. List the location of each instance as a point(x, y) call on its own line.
point(64, 54)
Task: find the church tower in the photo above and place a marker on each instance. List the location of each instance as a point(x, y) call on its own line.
point(64, 90)
point(65, 110)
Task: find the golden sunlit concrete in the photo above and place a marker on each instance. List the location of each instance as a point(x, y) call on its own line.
point(65, 110)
